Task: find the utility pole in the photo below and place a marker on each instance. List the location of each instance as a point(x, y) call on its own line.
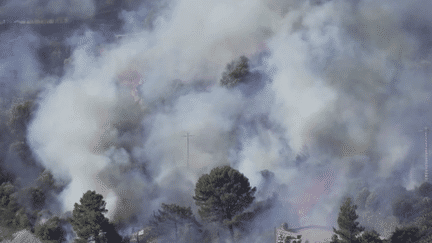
point(426, 131)
point(187, 136)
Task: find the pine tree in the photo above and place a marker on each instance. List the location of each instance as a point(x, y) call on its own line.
point(425, 189)
point(89, 222)
point(173, 216)
point(370, 237)
point(409, 234)
point(20, 115)
point(349, 229)
point(424, 224)
point(223, 194)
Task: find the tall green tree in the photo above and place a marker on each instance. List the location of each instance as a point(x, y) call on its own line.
point(32, 197)
point(403, 209)
point(424, 224)
point(223, 194)
point(349, 229)
point(172, 216)
point(46, 182)
point(410, 234)
point(12, 214)
point(89, 222)
point(425, 189)
point(20, 115)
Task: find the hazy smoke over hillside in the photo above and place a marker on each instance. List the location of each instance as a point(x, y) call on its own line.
point(337, 93)
point(48, 8)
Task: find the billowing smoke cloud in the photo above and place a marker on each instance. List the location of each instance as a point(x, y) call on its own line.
point(335, 99)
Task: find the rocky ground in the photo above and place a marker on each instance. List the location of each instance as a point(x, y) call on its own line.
point(23, 236)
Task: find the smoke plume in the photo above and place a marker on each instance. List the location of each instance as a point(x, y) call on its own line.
point(336, 95)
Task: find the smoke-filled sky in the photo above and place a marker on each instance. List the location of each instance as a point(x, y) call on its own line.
point(41, 8)
point(337, 94)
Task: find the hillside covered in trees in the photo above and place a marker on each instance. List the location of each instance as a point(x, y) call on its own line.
point(214, 121)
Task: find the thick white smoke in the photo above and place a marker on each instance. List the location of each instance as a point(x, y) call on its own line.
point(73, 125)
point(337, 77)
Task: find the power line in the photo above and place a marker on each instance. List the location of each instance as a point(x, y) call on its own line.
point(187, 136)
point(426, 131)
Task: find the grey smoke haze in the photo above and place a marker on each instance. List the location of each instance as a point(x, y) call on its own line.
point(47, 8)
point(349, 80)
point(18, 64)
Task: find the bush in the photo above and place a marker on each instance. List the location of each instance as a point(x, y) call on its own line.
point(51, 231)
point(406, 235)
point(425, 189)
point(8, 205)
